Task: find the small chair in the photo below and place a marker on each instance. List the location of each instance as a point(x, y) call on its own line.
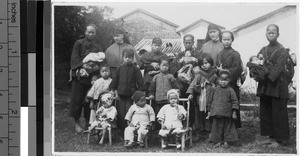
point(187, 130)
point(146, 137)
point(109, 129)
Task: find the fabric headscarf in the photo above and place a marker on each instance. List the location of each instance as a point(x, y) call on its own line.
point(173, 91)
point(137, 96)
point(212, 27)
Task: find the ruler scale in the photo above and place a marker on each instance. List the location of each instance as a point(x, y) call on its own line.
point(10, 78)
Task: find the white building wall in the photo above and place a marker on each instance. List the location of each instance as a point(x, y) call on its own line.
point(250, 40)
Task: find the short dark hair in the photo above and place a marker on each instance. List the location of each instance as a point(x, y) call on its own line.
point(227, 31)
point(208, 58)
point(277, 27)
point(105, 66)
point(188, 35)
point(128, 52)
point(164, 59)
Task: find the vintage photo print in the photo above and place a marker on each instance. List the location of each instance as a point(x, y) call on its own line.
point(174, 77)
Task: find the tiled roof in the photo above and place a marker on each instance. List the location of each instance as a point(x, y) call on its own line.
point(175, 49)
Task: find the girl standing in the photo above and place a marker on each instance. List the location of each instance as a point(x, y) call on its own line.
point(201, 88)
point(230, 59)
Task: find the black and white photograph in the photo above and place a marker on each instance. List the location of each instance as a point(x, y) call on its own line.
point(174, 77)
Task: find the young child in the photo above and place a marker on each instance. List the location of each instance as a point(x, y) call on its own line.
point(170, 117)
point(257, 69)
point(140, 117)
point(160, 85)
point(222, 108)
point(99, 87)
point(127, 80)
point(188, 62)
point(104, 115)
point(201, 88)
point(90, 64)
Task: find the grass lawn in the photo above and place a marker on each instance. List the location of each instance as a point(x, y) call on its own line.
point(67, 140)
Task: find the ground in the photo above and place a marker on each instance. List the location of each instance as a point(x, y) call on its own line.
point(67, 140)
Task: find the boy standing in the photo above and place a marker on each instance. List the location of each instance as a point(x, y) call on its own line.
point(273, 92)
point(127, 80)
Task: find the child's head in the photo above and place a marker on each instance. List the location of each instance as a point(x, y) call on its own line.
point(206, 61)
point(94, 79)
point(227, 38)
point(173, 96)
point(107, 100)
point(139, 98)
point(255, 60)
point(224, 78)
point(164, 65)
point(272, 33)
point(105, 72)
point(128, 55)
point(156, 45)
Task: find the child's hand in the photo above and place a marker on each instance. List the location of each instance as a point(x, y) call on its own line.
point(151, 97)
point(234, 116)
point(131, 125)
point(190, 97)
point(117, 97)
point(208, 115)
point(91, 105)
point(180, 116)
point(155, 65)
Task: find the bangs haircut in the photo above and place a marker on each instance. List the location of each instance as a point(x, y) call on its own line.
point(128, 53)
point(207, 57)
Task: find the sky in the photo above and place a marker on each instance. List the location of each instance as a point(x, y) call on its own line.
point(228, 15)
point(183, 14)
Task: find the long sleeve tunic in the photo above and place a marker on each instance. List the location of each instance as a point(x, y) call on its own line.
point(127, 80)
point(222, 102)
point(161, 84)
point(276, 84)
point(142, 115)
point(231, 60)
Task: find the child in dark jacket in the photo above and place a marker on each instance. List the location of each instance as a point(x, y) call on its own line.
point(127, 80)
point(257, 69)
point(222, 108)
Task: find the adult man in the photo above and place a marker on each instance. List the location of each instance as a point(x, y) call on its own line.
point(273, 92)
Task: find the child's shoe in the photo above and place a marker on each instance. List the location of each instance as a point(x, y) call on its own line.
point(226, 145)
point(164, 143)
point(129, 145)
point(178, 144)
point(142, 144)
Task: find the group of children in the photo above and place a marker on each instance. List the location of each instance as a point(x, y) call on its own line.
point(216, 100)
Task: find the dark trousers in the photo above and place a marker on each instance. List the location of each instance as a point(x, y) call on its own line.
point(223, 129)
point(78, 94)
point(122, 107)
point(274, 118)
